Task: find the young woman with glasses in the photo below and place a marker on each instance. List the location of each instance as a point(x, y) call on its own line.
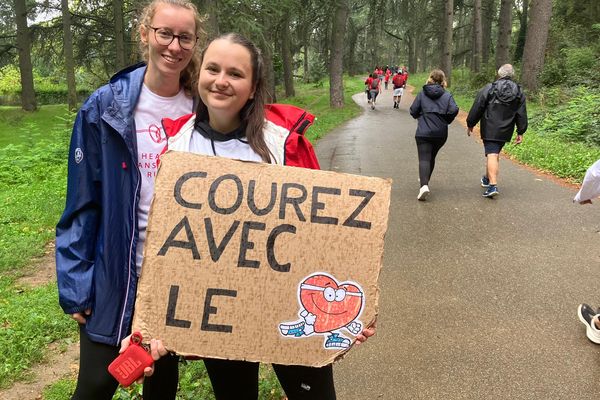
point(116, 140)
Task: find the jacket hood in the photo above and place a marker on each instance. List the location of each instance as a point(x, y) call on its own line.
point(505, 90)
point(433, 91)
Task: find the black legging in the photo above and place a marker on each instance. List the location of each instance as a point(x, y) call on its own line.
point(238, 380)
point(95, 383)
point(428, 149)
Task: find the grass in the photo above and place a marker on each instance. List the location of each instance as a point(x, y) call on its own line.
point(315, 98)
point(33, 167)
point(13, 123)
point(31, 320)
point(193, 384)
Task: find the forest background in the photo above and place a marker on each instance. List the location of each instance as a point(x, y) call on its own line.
point(54, 53)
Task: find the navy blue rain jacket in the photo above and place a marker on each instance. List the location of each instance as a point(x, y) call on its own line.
point(435, 109)
point(499, 106)
point(97, 234)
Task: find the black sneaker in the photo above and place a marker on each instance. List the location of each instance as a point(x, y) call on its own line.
point(586, 315)
point(492, 191)
point(485, 182)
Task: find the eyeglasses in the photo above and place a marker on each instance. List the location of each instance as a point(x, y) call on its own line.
point(165, 37)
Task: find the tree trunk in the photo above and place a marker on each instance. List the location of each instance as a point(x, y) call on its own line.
point(488, 9)
point(423, 61)
point(522, 32)
point(446, 61)
point(267, 49)
point(119, 34)
point(336, 62)
point(461, 39)
point(535, 42)
point(286, 50)
point(68, 52)
point(211, 25)
point(477, 40)
point(305, 62)
point(28, 101)
point(352, 44)
point(412, 53)
point(504, 30)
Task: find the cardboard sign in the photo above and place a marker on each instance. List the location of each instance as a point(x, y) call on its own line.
point(260, 262)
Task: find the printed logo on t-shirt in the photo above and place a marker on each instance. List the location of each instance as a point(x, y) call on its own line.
point(151, 142)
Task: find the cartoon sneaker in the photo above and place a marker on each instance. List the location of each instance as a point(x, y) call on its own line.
point(295, 330)
point(337, 341)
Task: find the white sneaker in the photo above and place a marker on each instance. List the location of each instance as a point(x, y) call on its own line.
point(588, 316)
point(423, 193)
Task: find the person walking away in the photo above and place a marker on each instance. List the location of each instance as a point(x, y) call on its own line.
point(374, 88)
point(230, 122)
point(499, 106)
point(405, 74)
point(435, 109)
point(368, 87)
point(387, 77)
point(590, 190)
point(398, 83)
point(116, 137)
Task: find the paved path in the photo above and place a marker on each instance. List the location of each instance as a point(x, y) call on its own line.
point(478, 296)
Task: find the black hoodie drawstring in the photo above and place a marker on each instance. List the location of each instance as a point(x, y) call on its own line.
point(205, 130)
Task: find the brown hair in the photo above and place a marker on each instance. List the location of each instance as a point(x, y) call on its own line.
point(437, 76)
point(189, 76)
point(252, 115)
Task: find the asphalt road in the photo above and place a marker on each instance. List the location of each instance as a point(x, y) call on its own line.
point(478, 296)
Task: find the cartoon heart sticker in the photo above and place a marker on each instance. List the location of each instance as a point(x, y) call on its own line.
point(335, 305)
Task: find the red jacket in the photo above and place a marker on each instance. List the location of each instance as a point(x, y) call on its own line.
point(284, 135)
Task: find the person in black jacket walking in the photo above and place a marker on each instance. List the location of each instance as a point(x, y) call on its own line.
point(499, 106)
point(435, 109)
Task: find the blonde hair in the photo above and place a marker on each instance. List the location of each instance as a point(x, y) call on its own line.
point(189, 76)
point(437, 76)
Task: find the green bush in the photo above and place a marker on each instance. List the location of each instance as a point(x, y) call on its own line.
point(48, 90)
point(316, 70)
point(576, 120)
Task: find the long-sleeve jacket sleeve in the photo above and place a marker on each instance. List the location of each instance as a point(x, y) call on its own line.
point(478, 107)
point(452, 110)
point(415, 108)
point(76, 231)
point(590, 188)
point(521, 115)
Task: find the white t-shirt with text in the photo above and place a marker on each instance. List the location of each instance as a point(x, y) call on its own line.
point(151, 140)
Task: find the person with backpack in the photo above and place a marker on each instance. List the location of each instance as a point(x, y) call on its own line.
point(500, 106)
point(398, 82)
point(231, 121)
point(374, 89)
point(435, 109)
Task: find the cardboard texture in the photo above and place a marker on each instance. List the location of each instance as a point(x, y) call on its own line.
point(260, 262)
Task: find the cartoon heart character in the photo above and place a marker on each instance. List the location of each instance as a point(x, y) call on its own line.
point(334, 305)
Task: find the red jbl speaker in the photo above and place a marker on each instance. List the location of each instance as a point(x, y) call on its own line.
point(130, 365)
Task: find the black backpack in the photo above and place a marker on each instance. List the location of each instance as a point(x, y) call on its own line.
point(374, 83)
